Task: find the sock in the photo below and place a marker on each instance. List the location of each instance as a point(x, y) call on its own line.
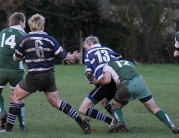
point(13, 111)
point(162, 116)
point(117, 113)
point(108, 108)
point(70, 111)
point(93, 113)
point(2, 109)
point(21, 113)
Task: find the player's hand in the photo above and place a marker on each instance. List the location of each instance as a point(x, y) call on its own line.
point(95, 81)
point(176, 53)
point(77, 55)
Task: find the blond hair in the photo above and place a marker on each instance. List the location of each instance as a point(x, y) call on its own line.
point(15, 18)
point(36, 22)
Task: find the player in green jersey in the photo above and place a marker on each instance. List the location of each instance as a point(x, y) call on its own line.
point(11, 72)
point(130, 86)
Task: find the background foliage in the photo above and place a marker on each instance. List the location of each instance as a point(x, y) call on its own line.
point(140, 30)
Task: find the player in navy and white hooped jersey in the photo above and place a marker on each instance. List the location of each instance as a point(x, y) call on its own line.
point(95, 57)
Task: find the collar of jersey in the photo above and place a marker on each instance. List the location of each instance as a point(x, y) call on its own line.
point(38, 32)
point(96, 45)
point(18, 27)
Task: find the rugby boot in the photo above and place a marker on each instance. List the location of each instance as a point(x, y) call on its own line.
point(175, 130)
point(23, 128)
point(3, 120)
point(5, 131)
point(85, 126)
point(118, 126)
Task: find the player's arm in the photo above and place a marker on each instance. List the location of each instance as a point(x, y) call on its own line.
point(106, 79)
point(71, 58)
point(18, 55)
point(89, 77)
point(61, 54)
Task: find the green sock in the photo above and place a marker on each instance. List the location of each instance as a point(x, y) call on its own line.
point(21, 113)
point(117, 113)
point(2, 109)
point(164, 118)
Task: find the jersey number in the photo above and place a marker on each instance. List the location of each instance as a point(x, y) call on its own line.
point(122, 63)
point(9, 41)
point(103, 56)
point(39, 49)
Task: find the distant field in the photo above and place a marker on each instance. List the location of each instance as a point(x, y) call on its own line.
point(44, 121)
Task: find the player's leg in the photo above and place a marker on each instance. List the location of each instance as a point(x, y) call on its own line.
point(54, 100)
point(17, 95)
point(3, 82)
point(160, 114)
point(94, 97)
point(105, 103)
point(14, 78)
point(2, 108)
point(111, 90)
point(118, 123)
point(3, 114)
point(52, 95)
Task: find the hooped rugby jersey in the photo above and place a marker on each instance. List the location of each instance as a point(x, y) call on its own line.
point(96, 57)
point(39, 51)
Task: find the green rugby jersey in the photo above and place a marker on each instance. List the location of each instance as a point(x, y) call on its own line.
point(125, 70)
point(8, 40)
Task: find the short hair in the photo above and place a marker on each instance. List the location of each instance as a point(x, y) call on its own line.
point(91, 39)
point(15, 18)
point(36, 22)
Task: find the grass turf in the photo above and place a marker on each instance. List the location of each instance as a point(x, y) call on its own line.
point(44, 121)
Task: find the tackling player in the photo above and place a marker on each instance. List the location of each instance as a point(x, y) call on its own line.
point(11, 72)
point(130, 86)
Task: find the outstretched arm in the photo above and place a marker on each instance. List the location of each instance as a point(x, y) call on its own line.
point(71, 58)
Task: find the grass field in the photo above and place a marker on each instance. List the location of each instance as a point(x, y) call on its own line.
point(43, 121)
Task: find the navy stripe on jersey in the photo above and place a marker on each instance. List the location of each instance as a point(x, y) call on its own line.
point(39, 50)
point(96, 57)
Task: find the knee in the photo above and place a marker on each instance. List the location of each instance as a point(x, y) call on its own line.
point(154, 110)
point(104, 102)
point(13, 99)
point(82, 110)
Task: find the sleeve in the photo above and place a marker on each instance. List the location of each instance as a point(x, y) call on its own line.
point(19, 50)
point(58, 51)
point(87, 64)
point(111, 70)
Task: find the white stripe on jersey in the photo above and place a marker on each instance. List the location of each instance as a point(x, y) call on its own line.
point(39, 69)
point(103, 48)
point(98, 67)
point(39, 60)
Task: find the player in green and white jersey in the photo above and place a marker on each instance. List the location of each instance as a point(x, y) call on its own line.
point(130, 86)
point(11, 72)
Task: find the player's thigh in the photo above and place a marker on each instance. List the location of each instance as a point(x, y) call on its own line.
point(18, 94)
point(101, 92)
point(3, 77)
point(87, 103)
point(15, 76)
point(137, 88)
